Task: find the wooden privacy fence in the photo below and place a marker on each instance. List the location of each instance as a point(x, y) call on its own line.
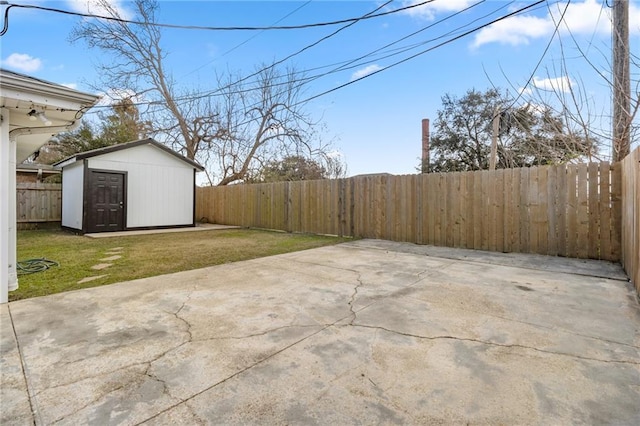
point(631, 216)
point(38, 204)
point(566, 210)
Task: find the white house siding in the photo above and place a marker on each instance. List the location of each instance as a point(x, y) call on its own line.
point(159, 185)
point(73, 186)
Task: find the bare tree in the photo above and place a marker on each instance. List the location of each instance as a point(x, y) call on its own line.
point(239, 127)
point(572, 100)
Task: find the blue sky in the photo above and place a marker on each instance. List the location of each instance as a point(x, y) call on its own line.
point(375, 122)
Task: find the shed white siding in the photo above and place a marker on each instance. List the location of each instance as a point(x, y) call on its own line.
point(159, 186)
point(72, 195)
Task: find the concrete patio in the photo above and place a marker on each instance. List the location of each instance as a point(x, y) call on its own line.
point(366, 332)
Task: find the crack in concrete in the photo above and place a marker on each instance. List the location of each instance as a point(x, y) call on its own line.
point(353, 297)
point(561, 329)
point(146, 363)
point(184, 320)
point(305, 262)
point(94, 376)
point(200, 421)
point(189, 339)
point(261, 333)
point(58, 420)
point(237, 373)
point(165, 388)
point(122, 386)
point(485, 342)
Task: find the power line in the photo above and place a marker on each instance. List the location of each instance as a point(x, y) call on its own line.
point(230, 85)
point(514, 13)
point(371, 53)
point(344, 67)
point(544, 53)
point(309, 46)
point(423, 52)
point(208, 28)
point(344, 64)
point(249, 39)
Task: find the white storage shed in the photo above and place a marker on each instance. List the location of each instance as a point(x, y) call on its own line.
point(135, 185)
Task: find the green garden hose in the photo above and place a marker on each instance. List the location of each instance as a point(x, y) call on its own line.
point(31, 266)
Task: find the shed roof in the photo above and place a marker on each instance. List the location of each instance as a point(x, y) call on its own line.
point(122, 146)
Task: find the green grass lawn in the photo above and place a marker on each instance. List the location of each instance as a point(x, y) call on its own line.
point(144, 255)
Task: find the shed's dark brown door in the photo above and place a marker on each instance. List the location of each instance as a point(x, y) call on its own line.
point(106, 202)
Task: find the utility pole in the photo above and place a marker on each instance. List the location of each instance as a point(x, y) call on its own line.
point(495, 126)
point(621, 80)
point(425, 145)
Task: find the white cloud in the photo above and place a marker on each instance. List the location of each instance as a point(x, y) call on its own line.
point(581, 18)
point(558, 84)
point(70, 85)
point(430, 10)
point(96, 8)
point(365, 71)
point(514, 31)
point(22, 62)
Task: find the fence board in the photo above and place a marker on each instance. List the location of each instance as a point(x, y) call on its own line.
point(486, 220)
point(498, 208)
point(524, 211)
point(477, 211)
point(594, 211)
point(534, 210)
point(541, 214)
point(463, 209)
point(561, 210)
point(419, 211)
point(449, 182)
point(583, 212)
point(552, 211)
point(572, 211)
point(514, 209)
point(616, 211)
point(605, 211)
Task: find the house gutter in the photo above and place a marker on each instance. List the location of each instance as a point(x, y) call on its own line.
point(43, 130)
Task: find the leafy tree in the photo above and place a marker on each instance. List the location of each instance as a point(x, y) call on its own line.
point(122, 124)
point(231, 131)
point(529, 135)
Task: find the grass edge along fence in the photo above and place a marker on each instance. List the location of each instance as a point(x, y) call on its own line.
point(565, 210)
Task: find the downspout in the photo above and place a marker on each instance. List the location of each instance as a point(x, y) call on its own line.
point(6, 206)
